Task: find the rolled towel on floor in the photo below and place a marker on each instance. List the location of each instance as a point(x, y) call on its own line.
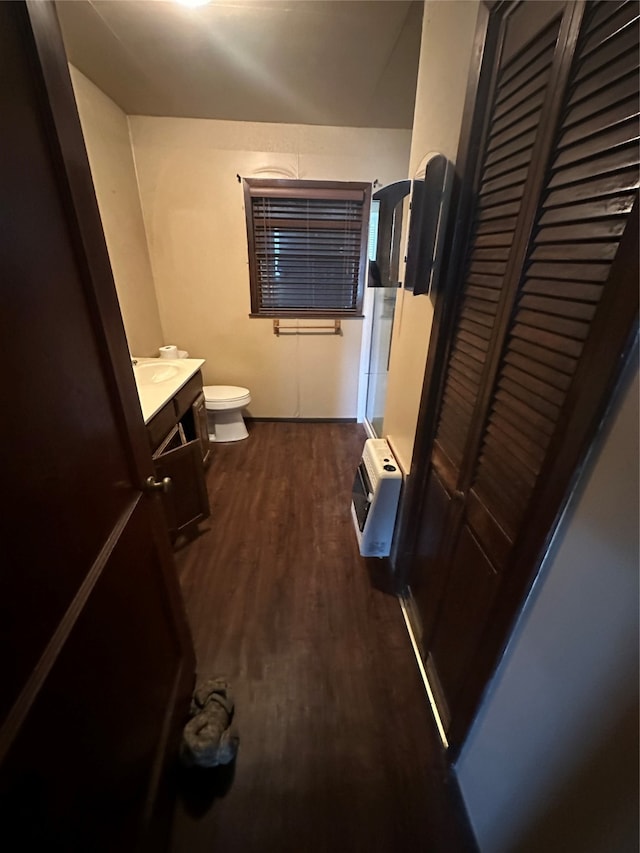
point(209, 739)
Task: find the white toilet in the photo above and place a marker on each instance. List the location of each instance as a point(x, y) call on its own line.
point(224, 405)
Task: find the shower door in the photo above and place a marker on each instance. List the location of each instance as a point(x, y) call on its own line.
point(384, 251)
point(383, 307)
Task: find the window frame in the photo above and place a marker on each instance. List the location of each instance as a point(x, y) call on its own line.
point(289, 188)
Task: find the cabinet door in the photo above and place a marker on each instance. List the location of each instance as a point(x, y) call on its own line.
point(526, 382)
point(201, 427)
point(186, 503)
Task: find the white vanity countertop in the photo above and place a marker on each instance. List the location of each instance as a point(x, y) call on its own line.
point(154, 394)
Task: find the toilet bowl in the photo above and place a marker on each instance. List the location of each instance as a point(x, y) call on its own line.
point(224, 404)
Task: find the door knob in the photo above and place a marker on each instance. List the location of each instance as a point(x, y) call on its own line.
point(153, 485)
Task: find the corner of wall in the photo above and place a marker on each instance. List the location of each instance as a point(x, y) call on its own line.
point(448, 31)
point(163, 336)
point(105, 128)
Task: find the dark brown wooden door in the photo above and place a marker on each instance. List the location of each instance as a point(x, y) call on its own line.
point(96, 658)
point(556, 182)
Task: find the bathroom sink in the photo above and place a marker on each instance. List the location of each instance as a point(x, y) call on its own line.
point(148, 374)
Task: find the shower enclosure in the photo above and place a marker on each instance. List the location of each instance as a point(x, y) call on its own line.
point(384, 262)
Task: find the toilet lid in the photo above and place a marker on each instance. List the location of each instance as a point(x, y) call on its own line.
point(222, 393)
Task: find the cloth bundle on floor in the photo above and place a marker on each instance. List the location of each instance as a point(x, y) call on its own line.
point(209, 738)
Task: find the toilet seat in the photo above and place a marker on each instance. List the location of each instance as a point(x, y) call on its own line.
point(221, 397)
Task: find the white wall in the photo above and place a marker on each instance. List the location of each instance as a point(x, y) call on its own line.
point(106, 136)
point(551, 761)
point(194, 217)
point(447, 39)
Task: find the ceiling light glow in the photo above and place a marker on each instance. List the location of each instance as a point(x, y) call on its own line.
point(192, 4)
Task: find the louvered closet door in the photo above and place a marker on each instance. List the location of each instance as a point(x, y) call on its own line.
point(588, 195)
point(521, 89)
point(521, 86)
point(550, 320)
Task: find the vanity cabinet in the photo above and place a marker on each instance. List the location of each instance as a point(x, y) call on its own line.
point(191, 411)
point(161, 425)
point(179, 442)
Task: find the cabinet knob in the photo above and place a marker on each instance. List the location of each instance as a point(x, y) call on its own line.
point(153, 485)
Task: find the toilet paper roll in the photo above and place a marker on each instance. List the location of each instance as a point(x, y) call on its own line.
point(168, 352)
point(182, 353)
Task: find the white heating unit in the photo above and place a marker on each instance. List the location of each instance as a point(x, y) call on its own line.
point(376, 490)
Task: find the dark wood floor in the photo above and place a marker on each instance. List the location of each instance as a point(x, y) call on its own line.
point(338, 748)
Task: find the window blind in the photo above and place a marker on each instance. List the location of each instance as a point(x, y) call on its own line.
point(307, 246)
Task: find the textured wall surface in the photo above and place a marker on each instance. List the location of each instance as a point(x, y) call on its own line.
point(106, 135)
point(447, 39)
point(193, 209)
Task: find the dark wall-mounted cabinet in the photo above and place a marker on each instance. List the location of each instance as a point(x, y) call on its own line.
point(390, 213)
point(427, 226)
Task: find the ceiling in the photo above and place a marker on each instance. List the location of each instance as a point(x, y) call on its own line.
point(331, 62)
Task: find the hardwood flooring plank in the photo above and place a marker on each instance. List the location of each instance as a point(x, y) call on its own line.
point(338, 749)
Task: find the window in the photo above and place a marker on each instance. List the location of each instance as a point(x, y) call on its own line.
point(307, 247)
